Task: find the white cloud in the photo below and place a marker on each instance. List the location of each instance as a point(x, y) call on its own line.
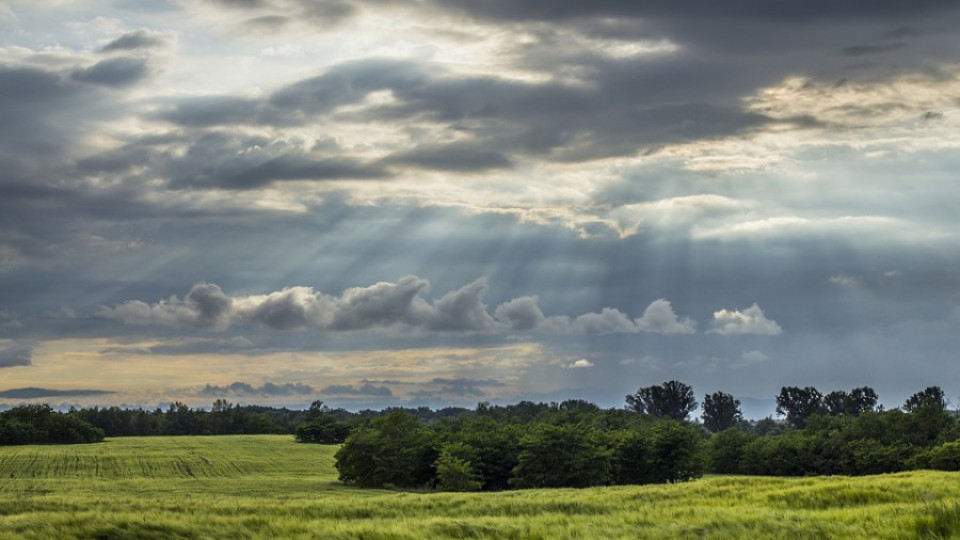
point(580, 364)
point(659, 318)
point(841, 280)
point(749, 321)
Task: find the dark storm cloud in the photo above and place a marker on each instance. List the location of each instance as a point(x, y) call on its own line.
point(114, 72)
point(366, 389)
point(301, 102)
point(140, 39)
point(791, 10)
point(16, 355)
point(552, 120)
point(473, 157)
point(226, 160)
point(861, 50)
point(299, 168)
point(38, 113)
point(266, 389)
point(36, 393)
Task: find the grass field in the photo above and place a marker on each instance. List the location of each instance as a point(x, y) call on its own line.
point(271, 487)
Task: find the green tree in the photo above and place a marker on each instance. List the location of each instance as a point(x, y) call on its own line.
point(676, 451)
point(455, 468)
point(856, 402)
point(798, 404)
point(392, 450)
point(633, 457)
point(931, 395)
point(323, 429)
point(725, 450)
point(672, 399)
point(720, 411)
point(561, 456)
point(498, 448)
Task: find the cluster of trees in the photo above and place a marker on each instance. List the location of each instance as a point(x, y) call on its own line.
point(527, 445)
point(224, 418)
point(843, 433)
point(577, 444)
point(40, 424)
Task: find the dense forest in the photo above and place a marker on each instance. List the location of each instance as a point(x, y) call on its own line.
point(577, 444)
point(573, 443)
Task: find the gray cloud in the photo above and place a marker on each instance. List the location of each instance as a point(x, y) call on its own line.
point(660, 318)
point(366, 389)
point(861, 50)
point(461, 387)
point(205, 306)
point(139, 39)
point(15, 355)
point(475, 156)
point(266, 389)
point(189, 346)
point(386, 305)
point(520, 313)
point(36, 393)
point(752, 9)
point(114, 72)
point(466, 382)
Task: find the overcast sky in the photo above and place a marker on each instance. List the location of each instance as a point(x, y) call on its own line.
point(440, 202)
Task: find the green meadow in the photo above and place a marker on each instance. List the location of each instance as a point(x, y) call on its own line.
point(271, 487)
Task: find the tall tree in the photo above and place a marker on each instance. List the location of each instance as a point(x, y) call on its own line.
point(856, 402)
point(930, 396)
point(798, 404)
point(672, 399)
point(720, 411)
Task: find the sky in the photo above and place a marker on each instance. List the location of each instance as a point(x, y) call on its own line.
point(441, 202)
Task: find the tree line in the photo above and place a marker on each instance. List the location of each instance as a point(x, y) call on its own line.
point(651, 440)
point(41, 424)
point(572, 443)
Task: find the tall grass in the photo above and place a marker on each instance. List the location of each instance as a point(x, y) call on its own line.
point(251, 487)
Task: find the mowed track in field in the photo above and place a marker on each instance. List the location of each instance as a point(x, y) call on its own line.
point(259, 487)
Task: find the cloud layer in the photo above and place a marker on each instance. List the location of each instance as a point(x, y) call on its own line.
point(392, 306)
point(629, 177)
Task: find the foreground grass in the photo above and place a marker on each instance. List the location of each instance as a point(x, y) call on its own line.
point(271, 487)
